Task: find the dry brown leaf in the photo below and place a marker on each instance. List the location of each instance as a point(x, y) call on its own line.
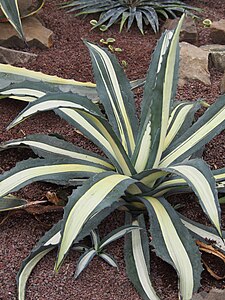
point(211, 250)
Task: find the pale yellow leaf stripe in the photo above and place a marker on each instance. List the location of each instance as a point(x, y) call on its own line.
point(43, 106)
point(100, 134)
point(144, 150)
point(151, 178)
point(61, 151)
point(178, 122)
point(23, 98)
point(191, 141)
point(26, 272)
point(204, 191)
point(167, 88)
point(116, 88)
point(11, 182)
point(140, 264)
point(23, 91)
point(83, 208)
point(175, 248)
point(41, 76)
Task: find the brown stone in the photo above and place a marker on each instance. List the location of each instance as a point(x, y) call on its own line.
point(36, 34)
point(193, 65)
point(216, 56)
point(9, 56)
point(188, 31)
point(222, 85)
point(218, 32)
point(214, 294)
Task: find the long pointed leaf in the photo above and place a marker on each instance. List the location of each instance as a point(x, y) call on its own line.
point(47, 243)
point(50, 146)
point(57, 171)
point(157, 102)
point(115, 94)
point(201, 132)
point(137, 260)
point(199, 177)
point(102, 190)
point(174, 244)
point(84, 260)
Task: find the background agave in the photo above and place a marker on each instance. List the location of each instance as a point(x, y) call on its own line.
point(143, 11)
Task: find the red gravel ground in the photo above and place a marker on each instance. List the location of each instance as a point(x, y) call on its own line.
point(69, 58)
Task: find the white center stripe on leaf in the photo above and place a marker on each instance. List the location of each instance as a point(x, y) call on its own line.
point(83, 208)
point(178, 122)
point(116, 90)
point(145, 146)
point(175, 248)
point(21, 177)
point(140, 264)
point(203, 189)
point(191, 141)
point(57, 150)
point(20, 92)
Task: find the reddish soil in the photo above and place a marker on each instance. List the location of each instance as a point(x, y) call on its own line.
point(69, 58)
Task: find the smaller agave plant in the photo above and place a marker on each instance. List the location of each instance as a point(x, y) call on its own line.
point(12, 12)
point(141, 11)
point(146, 160)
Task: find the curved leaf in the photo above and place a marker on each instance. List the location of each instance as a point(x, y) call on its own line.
point(101, 190)
point(208, 126)
point(173, 243)
point(47, 243)
point(57, 171)
point(137, 260)
point(49, 146)
point(115, 94)
point(199, 177)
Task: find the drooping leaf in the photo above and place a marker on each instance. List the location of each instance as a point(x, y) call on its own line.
point(50, 146)
point(199, 177)
point(11, 203)
point(52, 170)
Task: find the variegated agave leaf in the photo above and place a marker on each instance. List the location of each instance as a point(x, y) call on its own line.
point(174, 244)
point(25, 85)
point(137, 258)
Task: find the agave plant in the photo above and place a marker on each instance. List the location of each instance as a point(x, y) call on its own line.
point(12, 12)
point(143, 11)
point(147, 159)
